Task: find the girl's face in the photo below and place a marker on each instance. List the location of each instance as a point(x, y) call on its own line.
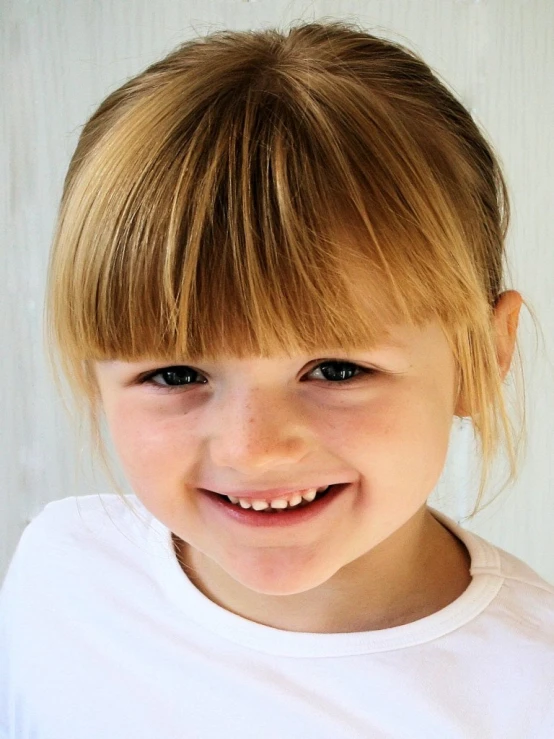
point(280, 422)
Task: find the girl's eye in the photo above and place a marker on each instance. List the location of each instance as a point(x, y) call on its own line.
point(342, 375)
point(336, 372)
point(171, 376)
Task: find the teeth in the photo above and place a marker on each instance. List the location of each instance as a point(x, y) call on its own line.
point(294, 500)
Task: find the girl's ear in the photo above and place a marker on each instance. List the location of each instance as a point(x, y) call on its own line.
point(506, 320)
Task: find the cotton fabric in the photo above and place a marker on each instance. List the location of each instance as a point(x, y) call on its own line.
point(103, 636)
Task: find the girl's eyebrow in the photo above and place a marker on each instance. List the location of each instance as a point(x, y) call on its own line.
point(392, 343)
point(385, 344)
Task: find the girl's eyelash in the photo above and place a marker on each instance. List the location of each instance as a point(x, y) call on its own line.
point(148, 379)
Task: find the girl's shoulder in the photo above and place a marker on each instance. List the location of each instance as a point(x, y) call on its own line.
point(76, 514)
point(527, 597)
point(520, 597)
point(504, 589)
point(78, 526)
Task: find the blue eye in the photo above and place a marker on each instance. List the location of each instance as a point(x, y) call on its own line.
point(180, 375)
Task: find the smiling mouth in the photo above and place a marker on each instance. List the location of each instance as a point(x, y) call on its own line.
point(269, 517)
point(247, 505)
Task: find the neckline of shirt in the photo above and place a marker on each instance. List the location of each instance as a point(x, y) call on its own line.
point(487, 579)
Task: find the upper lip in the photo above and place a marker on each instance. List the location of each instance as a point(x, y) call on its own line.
point(270, 493)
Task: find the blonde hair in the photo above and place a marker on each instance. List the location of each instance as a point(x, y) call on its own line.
point(239, 196)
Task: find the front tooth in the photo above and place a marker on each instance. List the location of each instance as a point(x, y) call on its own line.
point(259, 505)
point(279, 503)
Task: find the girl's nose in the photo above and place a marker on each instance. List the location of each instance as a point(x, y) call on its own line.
point(256, 433)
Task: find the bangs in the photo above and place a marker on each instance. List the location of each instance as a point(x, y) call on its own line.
point(254, 223)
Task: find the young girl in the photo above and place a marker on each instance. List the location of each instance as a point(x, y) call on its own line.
point(278, 278)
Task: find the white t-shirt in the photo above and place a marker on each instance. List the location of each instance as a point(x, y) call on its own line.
point(102, 636)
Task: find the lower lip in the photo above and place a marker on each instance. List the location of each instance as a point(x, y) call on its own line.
point(286, 517)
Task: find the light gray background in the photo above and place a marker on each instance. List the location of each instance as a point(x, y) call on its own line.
point(61, 58)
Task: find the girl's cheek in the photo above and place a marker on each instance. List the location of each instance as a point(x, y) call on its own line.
point(134, 433)
point(148, 459)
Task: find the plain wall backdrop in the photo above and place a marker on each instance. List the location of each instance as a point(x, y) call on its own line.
point(61, 58)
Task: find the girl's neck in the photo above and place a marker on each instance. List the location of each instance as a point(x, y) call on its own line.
point(368, 594)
